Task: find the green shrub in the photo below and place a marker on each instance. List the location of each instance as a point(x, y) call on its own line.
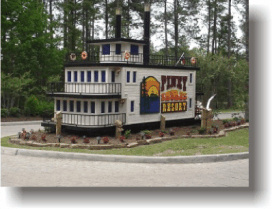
point(4, 113)
point(146, 132)
point(15, 112)
point(127, 133)
point(31, 105)
point(201, 130)
point(45, 108)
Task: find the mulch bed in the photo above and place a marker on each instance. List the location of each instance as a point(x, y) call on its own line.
point(22, 118)
point(66, 138)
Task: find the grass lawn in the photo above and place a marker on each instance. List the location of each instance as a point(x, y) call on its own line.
point(229, 110)
point(236, 141)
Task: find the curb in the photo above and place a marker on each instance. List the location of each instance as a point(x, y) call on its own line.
point(126, 159)
point(35, 122)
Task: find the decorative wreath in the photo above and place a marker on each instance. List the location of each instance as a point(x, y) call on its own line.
point(193, 60)
point(84, 55)
point(182, 61)
point(126, 55)
point(73, 56)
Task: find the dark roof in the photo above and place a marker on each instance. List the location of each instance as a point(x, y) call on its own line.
point(98, 41)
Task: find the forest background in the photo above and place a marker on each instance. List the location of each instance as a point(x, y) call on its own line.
point(37, 34)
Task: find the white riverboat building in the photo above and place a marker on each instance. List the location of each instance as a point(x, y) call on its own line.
point(124, 82)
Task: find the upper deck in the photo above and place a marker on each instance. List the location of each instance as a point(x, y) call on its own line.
point(118, 59)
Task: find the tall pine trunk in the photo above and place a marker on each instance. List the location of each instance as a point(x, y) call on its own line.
point(229, 54)
point(209, 27)
point(176, 28)
point(165, 28)
point(247, 58)
point(106, 18)
point(214, 28)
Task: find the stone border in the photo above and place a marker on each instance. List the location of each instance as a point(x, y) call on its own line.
point(124, 158)
point(221, 133)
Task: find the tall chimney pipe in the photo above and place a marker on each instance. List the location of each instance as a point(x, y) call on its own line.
point(146, 32)
point(118, 23)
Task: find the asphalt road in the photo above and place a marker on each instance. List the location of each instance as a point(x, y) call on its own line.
point(22, 171)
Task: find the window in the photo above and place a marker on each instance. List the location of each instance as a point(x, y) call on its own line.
point(95, 76)
point(92, 107)
point(102, 107)
point(71, 106)
point(112, 76)
point(191, 77)
point(190, 103)
point(82, 76)
point(64, 105)
point(85, 107)
point(106, 49)
point(69, 76)
point(128, 76)
point(75, 76)
point(78, 106)
point(134, 76)
point(89, 76)
point(118, 49)
point(103, 76)
point(110, 107)
point(132, 106)
point(116, 106)
point(134, 49)
point(58, 105)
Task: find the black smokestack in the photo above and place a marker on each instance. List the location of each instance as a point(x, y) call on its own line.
point(118, 23)
point(146, 32)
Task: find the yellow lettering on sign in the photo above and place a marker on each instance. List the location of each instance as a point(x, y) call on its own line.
point(184, 106)
point(176, 107)
point(168, 107)
point(180, 106)
point(163, 107)
point(173, 107)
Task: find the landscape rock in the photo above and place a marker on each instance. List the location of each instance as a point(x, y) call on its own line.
point(155, 140)
point(142, 142)
point(134, 144)
point(63, 145)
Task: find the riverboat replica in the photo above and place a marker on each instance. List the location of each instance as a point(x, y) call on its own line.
point(124, 82)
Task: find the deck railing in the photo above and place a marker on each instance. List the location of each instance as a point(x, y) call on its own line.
point(102, 120)
point(112, 57)
point(85, 88)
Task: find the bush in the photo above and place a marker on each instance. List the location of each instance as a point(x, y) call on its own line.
point(146, 132)
point(201, 130)
point(31, 105)
point(73, 140)
point(4, 113)
point(122, 138)
point(15, 112)
point(161, 134)
point(127, 133)
point(45, 109)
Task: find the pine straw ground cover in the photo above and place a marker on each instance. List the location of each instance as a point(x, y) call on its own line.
point(234, 142)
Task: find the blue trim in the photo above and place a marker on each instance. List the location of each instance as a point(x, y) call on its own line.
point(132, 106)
point(75, 76)
point(82, 76)
point(134, 49)
point(128, 76)
point(116, 106)
point(190, 103)
point(110, 107)
point(71, 106)
point(112, 76)
point(95, 76)
point(106, 49)
point(191, 77)
point(85, 107)
point(92, 107)
point(69, 76)
point(103, 76)
point(134, 76)
point(89, 76)
point(102, 107)
point(64, 104)
point(78, 106)
point(118, 49)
